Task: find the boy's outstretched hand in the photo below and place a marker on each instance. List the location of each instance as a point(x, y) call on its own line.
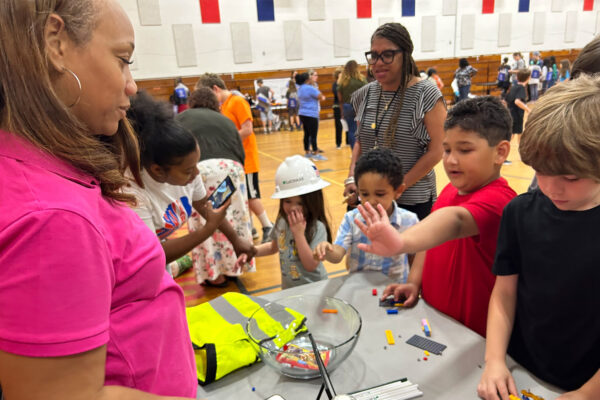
point(408, 291)
point(385, 240)
point(321, 250)
point(496, 382)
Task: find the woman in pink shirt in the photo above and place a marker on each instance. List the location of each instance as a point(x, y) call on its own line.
point(87, 310)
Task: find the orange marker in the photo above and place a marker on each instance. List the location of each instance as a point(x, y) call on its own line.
point(329, 311)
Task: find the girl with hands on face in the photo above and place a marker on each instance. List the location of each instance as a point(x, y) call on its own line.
point(301, 223)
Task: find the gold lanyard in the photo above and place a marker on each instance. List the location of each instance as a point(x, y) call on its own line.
point(375, 125)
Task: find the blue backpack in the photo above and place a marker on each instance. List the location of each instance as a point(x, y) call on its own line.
point(503, 77)
point(292, 102)
point(180, 96)
point(535, 73)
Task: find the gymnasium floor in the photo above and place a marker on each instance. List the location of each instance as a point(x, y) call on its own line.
point(273, 149)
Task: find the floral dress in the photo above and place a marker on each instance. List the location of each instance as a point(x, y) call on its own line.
point(215, 256)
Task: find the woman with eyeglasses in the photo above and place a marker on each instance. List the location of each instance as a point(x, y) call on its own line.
point(402, 112)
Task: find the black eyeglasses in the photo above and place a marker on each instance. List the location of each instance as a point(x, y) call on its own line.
point(386, 56)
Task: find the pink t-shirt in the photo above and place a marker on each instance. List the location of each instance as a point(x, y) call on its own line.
point(79, 271)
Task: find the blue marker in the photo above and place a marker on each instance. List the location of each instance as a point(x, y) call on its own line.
point(392, 311)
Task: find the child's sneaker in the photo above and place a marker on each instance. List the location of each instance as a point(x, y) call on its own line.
point(319, 157)
point(309, 155)
point(255, 234)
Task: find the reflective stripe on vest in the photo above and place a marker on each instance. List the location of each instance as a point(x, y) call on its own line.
point(221, 344)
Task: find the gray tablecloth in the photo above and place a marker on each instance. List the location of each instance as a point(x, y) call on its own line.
point(453, 375)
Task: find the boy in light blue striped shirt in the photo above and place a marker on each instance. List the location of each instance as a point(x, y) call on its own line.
point(378, 175)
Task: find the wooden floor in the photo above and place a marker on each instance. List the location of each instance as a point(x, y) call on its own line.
point(273, 149)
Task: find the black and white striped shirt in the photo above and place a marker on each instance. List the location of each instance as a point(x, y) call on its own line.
point(411, 138)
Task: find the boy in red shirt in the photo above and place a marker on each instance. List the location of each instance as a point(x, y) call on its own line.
point(460, 234)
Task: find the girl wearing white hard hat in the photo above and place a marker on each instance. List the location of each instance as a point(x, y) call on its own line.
point(301, 223)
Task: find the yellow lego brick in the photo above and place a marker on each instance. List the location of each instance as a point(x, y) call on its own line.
point(389, 336)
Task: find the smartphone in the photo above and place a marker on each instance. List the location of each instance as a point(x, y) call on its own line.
point(222, 193)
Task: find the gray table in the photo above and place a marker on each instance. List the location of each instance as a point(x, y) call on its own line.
point(453, 375)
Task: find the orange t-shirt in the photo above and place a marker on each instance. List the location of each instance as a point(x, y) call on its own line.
point(237, 109)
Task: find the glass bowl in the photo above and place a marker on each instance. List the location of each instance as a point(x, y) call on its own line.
point(335, 333)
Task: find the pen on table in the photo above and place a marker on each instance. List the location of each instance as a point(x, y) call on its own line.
point(425, 326)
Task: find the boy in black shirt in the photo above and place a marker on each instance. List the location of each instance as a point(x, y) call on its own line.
point(544, 305)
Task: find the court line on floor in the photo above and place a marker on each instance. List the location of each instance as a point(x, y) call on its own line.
point(323, 177)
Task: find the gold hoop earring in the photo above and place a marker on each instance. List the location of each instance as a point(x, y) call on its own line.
point(78, 84)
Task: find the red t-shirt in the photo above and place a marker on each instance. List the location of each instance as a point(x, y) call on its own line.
point(457, 275)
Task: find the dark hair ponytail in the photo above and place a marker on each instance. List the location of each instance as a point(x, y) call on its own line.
point(162, 139)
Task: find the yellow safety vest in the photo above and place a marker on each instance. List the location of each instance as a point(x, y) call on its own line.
point(221, 344)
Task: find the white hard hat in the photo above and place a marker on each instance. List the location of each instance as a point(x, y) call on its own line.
point(296, 176)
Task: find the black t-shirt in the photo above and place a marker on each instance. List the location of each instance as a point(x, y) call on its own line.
point(334, 90)
point(516, 92)
point(556, 334)
point(216, 134)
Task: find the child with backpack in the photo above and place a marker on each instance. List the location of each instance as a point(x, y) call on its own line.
point(504, 76)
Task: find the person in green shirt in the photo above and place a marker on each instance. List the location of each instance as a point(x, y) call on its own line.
point(349, 81)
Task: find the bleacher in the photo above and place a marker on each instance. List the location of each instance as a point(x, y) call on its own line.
point(487, 66)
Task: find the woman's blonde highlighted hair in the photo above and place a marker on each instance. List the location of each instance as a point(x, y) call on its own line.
point(562, 133)
point(350, 71)
point(30, 107)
